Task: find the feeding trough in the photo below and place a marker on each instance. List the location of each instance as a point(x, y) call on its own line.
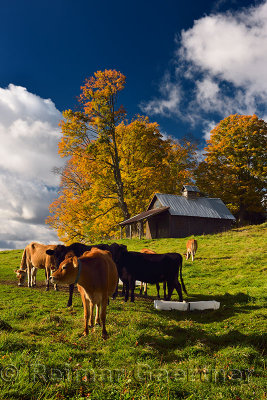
point(183, 306)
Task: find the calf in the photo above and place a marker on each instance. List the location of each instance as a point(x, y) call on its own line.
point(191, 248)
point(60, 251)
point(151, 268)
point(34, 257)
point(97, 276)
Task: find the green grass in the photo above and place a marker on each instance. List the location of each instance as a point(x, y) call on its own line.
point(149, 354)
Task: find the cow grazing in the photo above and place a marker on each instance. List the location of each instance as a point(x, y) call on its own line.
point(60, 251)
point(191, 248)
point(151, 268)
point(34, 257)
point(96, 275)
point(148, 251)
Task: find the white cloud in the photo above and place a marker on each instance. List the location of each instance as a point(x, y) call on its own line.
point(169, 104)
point(29, 136)
point(232, 48)
point(221, 64)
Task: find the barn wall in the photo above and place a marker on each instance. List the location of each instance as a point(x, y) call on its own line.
point(166, 225)
point(158, 226)
point(186, 226)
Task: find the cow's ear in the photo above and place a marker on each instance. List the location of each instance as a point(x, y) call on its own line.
point(75, 262)
point(50, 252)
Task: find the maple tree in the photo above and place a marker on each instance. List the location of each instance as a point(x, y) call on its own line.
point(113, 167)
point(235, 165)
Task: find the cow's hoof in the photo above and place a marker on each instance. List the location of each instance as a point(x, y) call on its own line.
point(47, 289)
point(104, 335)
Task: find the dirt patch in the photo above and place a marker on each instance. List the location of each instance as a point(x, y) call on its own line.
point(39, 286)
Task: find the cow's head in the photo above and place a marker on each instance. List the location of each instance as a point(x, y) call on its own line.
point(58, 253)
point(117, 250)
point(66, 272)
point(21, 275)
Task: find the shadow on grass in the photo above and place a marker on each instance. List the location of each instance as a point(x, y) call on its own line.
point(170, 338)
point(230, 304)
point(197, 342)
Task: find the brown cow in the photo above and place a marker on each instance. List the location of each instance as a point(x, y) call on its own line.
point(96, 275)
point(191, 248)
point(34, 257)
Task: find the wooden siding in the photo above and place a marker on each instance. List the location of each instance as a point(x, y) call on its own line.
point(173, 226)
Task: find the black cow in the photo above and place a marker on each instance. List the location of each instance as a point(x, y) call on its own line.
point(78, 249)
point(151, 268)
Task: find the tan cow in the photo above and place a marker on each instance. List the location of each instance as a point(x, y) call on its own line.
point(34, 257)
point(191, 248)
point(96, 275)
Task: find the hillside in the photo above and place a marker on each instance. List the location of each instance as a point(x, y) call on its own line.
point(149, 354)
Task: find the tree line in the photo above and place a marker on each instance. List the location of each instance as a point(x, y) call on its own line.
point(113, 166)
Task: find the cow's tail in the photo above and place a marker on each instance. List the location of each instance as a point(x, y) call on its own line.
point(181, 276)
point(23, 263)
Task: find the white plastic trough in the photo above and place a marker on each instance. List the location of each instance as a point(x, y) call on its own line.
point(190, 306)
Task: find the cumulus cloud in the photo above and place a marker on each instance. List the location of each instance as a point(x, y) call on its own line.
point(29, 136)
point(220, 63)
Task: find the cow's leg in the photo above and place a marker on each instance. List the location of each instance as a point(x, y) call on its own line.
point(34, 277)
point(141, 288)
point(47, 276)
point(164, 290)
point(71, 289)
point(29, 274)
point(126, 290)
point(86, 313)
point(97, 317)
point(179, 289)
point(123, 289)
point(132, 287)
point(171, 286)
point(157, 286)
point(145, 289)
point(115, 294)
point(91, 316)
point(103, 317)
point(33, 272)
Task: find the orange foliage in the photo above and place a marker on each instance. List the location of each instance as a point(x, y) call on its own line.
point(235, 165)
point(114, 167)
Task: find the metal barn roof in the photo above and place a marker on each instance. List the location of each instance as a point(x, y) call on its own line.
point(144, 215)
point(200, 207)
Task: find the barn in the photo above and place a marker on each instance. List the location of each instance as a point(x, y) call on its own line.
point(173, 216)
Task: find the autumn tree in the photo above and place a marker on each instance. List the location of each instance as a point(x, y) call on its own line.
point(113, 167)
point(235, 165)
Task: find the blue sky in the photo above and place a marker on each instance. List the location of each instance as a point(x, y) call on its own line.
point(187, 64)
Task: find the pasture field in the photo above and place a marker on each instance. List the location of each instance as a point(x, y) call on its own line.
point(149, 354)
